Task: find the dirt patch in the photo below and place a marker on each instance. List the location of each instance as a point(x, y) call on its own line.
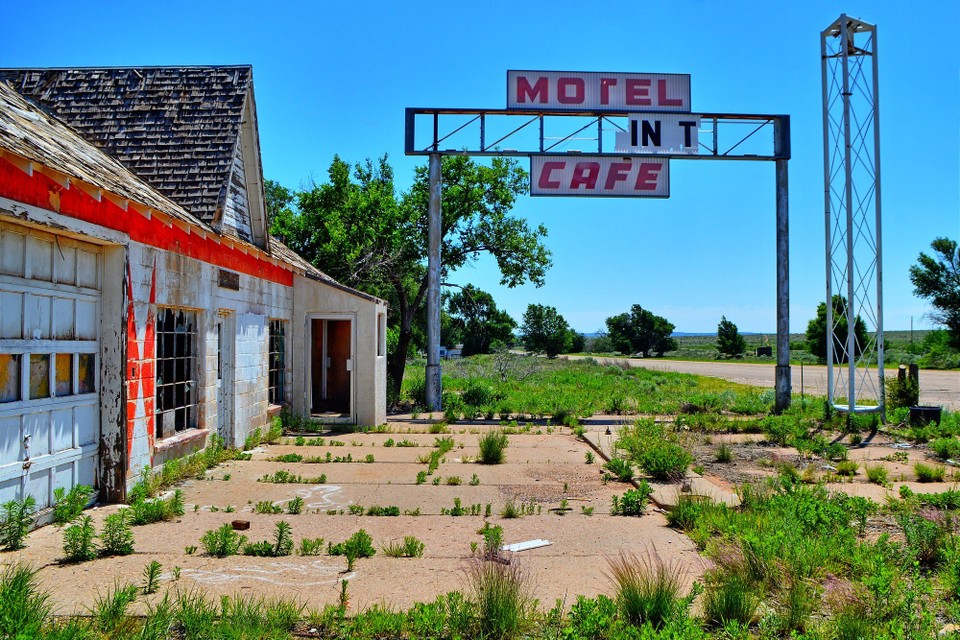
point(543, 467)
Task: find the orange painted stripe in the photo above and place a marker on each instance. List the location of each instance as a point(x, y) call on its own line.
point(41, 191)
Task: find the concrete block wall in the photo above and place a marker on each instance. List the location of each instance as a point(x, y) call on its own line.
point(166, 279)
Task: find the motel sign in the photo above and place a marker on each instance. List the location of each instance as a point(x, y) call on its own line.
point(638, 123)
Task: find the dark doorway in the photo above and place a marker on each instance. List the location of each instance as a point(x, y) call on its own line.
point(331, 366)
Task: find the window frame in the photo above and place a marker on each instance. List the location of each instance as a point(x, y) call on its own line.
point(176, 373)
point(277, 361)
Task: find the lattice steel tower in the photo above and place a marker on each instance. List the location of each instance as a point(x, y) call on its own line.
point(851, 168)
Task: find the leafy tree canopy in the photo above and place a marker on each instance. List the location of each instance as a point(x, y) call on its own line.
point(937, 278)
point(475, 318)
point(545, 331)
point(358, 229)
point(641, 331)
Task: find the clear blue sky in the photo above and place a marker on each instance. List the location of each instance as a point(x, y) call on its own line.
point(336, 77)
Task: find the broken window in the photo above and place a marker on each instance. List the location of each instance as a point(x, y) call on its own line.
point(9, 377)
point(86, 375)
point(64, 374)
point(39, 375)
point(176, 371)
point(277, 363)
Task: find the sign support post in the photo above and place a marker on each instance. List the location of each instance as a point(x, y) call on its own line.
point(434, 386)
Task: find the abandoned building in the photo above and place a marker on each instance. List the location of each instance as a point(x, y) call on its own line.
point(144, 305)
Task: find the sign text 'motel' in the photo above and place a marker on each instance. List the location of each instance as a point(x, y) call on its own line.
point(631, 176)
point(594, 91)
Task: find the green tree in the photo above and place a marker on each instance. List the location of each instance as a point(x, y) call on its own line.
point(641, 331)
point(937, 278)
point(544, 331)
point(359, 230)
point(729, 341)
point(817, 332)
point(475, 318)
point(578, 342)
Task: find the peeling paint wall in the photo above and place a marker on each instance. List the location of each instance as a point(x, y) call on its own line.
point(165, 279)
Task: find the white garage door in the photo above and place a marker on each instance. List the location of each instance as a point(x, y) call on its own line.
point(49, 352)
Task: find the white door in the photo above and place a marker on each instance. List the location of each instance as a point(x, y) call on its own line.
point(49, 363)
point(226, 338)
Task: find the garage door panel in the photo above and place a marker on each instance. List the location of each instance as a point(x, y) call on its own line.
point(10, 489)
point(49, 313)
point(63, 476)
point(10, 440)
point(11, 320)
point(86, 320)
point(40, 258)
point(38, 486)
point(37, 426)
point(88, 422)
point(62, 428)
point(87, 470)
point(11, 253)
point(36, 318)
point(65, 262)
point(63, 313)
point(86, 269)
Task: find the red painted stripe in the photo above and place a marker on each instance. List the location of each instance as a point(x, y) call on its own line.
point(40, 191)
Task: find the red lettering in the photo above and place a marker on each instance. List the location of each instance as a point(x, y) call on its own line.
point(638, 92)
point(605, 84)
point(540, 90)
point(663, 100)
point(585, 174)
point(647, 176)
point(618, 172)
point(549, 167)
point(578, 90)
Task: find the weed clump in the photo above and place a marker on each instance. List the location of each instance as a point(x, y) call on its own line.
point(493, 445)
point(69, 505)
point(501, 594)
point(411, 547)
point(222, 542)
point(647, 590)
point(633, 502)
point(17, 518)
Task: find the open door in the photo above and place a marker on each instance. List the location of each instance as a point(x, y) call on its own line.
point(331, 366)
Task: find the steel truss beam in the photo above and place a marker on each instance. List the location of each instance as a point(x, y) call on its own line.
point(723, 136)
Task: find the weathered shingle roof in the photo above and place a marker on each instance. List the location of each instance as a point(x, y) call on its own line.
point(32, 134)
point(175, 127)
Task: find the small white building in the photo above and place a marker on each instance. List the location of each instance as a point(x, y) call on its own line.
point(143, 304)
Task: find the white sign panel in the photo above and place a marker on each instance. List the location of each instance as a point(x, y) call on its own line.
point(659, 133)
point(599, 176)
point(596, 91)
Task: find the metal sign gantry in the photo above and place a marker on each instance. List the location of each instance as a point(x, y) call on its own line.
point(511, 132)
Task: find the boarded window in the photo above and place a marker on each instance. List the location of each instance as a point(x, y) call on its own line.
point(39, 375)
point(278, 367)
point(64, 374)
point(9, 377)
point(381, 334)
point(176, 369)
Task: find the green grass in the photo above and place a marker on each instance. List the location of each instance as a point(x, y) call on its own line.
point(538, 387)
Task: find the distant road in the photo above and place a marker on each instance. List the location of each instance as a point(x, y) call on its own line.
point(936, 387)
